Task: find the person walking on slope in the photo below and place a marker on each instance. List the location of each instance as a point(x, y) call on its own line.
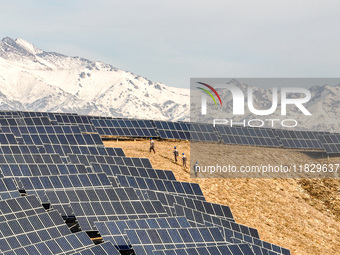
point(152, 145)
point(184, 159)
point(175, 153)
point(196, 169)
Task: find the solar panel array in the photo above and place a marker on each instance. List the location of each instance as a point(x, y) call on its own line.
point(19, 122)
point(125, 127)
point(299, 139)
point(59, 185)
point(248, 136)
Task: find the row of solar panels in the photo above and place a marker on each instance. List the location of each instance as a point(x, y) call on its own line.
point(133, 206)
point(32, 125)
point(127, 221)
point(95, 206)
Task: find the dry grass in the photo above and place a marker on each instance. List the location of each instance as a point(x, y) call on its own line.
point(299, 214)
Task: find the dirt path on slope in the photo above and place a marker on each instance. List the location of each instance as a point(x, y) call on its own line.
point(299, 214)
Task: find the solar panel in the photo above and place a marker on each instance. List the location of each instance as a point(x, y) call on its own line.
point(33, 229)
point(60, 199)
point(114, 231)
point(72, 118)
point(121, 161)
point(87, 128)
point(248, 136)
point(187, 131)
point(106, 248)
point(19, 207)
point(125, 127)
point(60, 245)
point(187, 189)
point(299, 139)
point(46, 129)
point(35, 169)
point(21, 149)
point(259, 246)
point(170, 130)
point(144, 241)
point(232, 249)
point(34, 114)
point(113, 170)
point(330, 142)
point(89, 212)
point(8, 188)
point(27, 121)
point(9, 113)
point(203, 132)
point(64, 150)
point(206, 219)
point(30, 158)
point(91, 195)
point(7, 138)
point(63, 139)
point(81, 181)
point(213, 209)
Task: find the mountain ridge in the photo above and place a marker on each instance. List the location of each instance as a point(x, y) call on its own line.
point(32, 79)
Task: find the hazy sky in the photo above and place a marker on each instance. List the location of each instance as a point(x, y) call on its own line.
point(171, 41)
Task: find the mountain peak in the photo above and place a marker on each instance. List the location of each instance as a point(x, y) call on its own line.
point(21, 45)
point(29, 47)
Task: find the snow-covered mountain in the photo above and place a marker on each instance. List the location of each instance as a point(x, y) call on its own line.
point(34, 80)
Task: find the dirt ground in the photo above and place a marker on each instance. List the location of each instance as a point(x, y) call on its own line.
point(302, 215)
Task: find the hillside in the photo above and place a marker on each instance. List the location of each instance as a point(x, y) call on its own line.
point(302, 215)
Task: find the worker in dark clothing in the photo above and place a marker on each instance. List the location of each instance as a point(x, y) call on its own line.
point(175, 153)
point(152, 145)
point(196, 169)
point(184, 159)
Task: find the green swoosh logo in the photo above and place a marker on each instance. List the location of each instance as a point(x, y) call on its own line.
point(208, 94)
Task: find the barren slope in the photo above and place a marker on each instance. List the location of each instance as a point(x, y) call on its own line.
point(299, 214)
